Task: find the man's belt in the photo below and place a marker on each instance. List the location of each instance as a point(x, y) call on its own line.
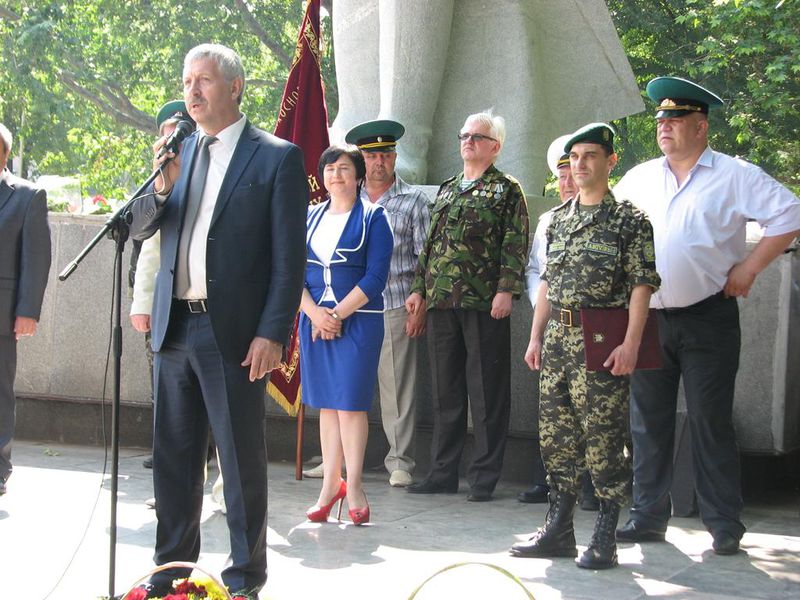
point(195, 307)
point(568, 317)
point(703, 304)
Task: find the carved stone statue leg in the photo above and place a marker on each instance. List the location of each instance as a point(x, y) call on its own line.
point(414, 40)
point(356, 38)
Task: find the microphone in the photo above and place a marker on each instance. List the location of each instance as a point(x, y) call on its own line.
point(183, 129)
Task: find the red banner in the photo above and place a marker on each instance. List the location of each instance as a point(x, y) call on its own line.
point(302, 120)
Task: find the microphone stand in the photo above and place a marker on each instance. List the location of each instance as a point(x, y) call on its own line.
point(117, 227)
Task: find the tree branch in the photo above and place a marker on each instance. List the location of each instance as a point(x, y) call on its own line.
point(9, 15)
point(255, 28)
point(112, 105)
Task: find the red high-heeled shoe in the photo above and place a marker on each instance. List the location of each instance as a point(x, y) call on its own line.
point(359, 516)
point(320, 515)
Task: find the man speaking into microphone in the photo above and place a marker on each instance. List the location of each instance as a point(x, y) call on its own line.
point(231, 211)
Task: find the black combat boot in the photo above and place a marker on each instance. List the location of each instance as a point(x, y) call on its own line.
point(557, 537)
point(602, 550)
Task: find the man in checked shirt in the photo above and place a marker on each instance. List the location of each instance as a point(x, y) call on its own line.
point(409, 216)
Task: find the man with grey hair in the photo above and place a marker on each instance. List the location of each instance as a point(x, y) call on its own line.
point(24, 266)
point(472, 265)
point(231, 212)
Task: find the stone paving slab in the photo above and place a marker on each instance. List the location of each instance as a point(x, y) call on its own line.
point(54, 542)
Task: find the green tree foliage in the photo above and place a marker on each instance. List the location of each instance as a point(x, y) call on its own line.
point(82, 80)
point(746, 51)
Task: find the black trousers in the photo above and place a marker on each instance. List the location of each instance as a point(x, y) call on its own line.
point(701, 344)
point(470, 355)
point(8, 368)
point(195, 387)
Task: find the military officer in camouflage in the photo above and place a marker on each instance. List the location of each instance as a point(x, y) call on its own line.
point(599, 255)
point(470, 268)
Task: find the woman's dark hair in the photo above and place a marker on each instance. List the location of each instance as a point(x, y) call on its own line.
point(333, 153)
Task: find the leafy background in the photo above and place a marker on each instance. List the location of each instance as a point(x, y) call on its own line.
point(81, 80)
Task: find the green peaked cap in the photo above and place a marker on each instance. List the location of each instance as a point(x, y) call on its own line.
point(376, 136)
point(677, 97)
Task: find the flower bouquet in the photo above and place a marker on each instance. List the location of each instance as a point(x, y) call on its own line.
point(199, 587)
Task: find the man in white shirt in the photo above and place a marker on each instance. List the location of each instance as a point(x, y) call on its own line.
point(699, 202)
point(231, 211)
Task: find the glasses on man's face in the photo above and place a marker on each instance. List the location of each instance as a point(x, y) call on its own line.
point(476, 137)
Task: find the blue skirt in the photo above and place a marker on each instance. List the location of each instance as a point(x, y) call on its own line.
point(341, 374)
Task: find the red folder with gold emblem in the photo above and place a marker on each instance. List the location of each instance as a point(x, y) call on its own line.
point(604, 329)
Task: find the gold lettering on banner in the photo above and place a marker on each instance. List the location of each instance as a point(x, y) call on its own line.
point(289, 102)
point(313, 184)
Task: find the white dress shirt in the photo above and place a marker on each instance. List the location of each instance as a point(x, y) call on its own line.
point(220, 154)
point(144, 284)
point(699, 227)
point(324, 241)
point(537, 259)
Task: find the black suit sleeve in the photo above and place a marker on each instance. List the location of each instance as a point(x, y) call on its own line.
point(288, 247)
point(34, 259)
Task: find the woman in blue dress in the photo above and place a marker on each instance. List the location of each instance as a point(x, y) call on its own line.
point(349, 244)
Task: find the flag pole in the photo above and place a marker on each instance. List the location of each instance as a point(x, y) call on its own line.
point(302, 120)
point(298, 459)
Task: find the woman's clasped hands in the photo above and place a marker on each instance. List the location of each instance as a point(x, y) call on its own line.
point(325, 325)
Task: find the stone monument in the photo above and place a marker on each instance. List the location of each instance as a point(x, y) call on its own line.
point(547, 66)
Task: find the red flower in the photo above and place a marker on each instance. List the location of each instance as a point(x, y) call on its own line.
point(189, 587)
point(99, 199)
point(138, 593)
point(176, 597)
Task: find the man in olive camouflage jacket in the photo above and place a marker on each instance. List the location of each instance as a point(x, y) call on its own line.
point(471, 267)
point(599, 255)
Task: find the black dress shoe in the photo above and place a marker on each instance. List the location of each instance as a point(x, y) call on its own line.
point(479, 496)
point(725, 543)
point(426, 486)
point(590, 502)
point(147, 463)
point(536, 494)
point(634, 531)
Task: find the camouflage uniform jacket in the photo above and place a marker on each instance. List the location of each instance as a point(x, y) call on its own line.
point(596, 257)
point(477, 243)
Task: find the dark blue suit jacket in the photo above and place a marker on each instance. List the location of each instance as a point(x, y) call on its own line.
point(24, 250)
point(255, 253)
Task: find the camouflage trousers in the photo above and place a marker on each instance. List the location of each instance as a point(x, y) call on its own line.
point(583, 418)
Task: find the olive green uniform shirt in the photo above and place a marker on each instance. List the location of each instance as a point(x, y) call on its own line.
point(596, 256)
point(477, 243)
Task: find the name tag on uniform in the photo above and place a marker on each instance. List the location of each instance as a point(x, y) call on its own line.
point(601, 248)
point(556, 247)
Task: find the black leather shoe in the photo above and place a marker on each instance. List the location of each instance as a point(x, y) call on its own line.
point(589, 500)
point(536, 494)
point(147, 463)
point(479, 496)
point(725, 543)
point(426, 486)
point(602, 550)
point(633, 531)
point(557, 536)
